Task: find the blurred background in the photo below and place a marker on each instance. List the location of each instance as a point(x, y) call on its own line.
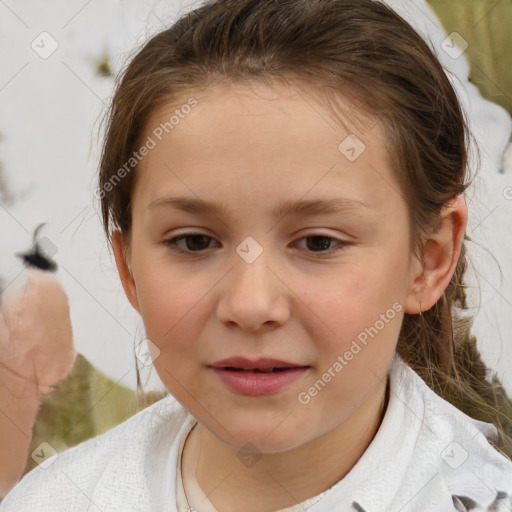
point(57, 69)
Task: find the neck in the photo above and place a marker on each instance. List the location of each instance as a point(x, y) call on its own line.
point(281, 480)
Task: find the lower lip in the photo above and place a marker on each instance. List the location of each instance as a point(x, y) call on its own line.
point(255, 383)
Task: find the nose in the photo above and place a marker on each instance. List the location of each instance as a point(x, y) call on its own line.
point(253, 296)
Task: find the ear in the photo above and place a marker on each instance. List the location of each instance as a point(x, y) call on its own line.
point(441, 253)
point(122, 261)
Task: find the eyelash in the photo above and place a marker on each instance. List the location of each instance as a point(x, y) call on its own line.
point(171, 243)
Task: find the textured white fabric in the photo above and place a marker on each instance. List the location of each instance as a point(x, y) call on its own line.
point(406, 468)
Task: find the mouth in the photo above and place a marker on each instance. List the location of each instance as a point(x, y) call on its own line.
point(258, 370)
point(262, 365)
point(257, 377)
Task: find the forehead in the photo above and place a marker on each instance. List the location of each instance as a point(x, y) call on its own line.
point(280, 106)
point(252, 140)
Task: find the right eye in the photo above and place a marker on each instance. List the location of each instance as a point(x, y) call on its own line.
point(194, 242)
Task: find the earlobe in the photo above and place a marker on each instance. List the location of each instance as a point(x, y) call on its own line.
point(124, 270)
point(441, 253)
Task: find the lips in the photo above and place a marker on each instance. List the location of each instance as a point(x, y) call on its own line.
point(262, 376)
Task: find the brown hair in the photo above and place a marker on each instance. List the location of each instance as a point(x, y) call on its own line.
point(362, 51)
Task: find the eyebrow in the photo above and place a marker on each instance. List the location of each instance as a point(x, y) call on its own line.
point(287, 207)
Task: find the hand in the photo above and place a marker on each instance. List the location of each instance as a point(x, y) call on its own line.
point(36, 338)
point(36, 352)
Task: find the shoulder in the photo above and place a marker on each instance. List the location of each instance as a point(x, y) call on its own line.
point(465, 460)
point(76, 477)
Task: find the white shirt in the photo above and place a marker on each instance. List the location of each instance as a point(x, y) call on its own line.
point(425, 452)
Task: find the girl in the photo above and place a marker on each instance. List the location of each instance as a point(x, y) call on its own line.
point(285, 182)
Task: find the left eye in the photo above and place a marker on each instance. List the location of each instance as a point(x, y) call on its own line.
point(319, 243)
point(196, 242)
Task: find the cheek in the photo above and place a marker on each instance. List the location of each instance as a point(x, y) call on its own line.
point(356, 298)
point(174, 314)
point(167, 305)
point(361, 318)
point(169, 297)
point(353, 358)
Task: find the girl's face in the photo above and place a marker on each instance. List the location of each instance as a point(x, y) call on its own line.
point(266, 236)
